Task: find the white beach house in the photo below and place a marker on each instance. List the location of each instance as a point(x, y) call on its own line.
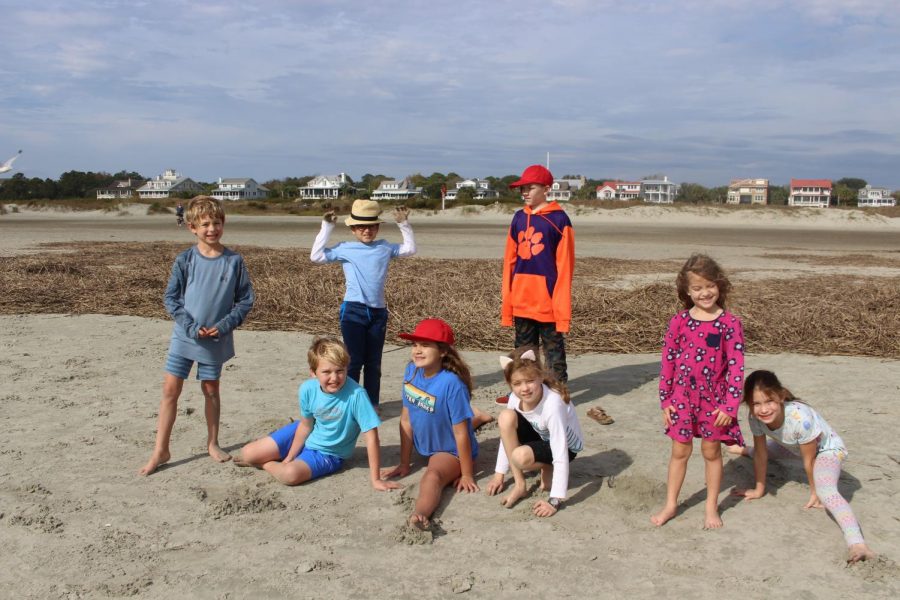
point(241, 188)
point(871, 197)
point(481, 188)
point(815, 193)
point(169, 183)
point(659, 191)
point(326, 187)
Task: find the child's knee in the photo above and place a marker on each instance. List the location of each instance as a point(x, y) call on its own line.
point(712, 451)
point(508, 419)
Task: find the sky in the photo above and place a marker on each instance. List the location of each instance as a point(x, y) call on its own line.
point(702, 91)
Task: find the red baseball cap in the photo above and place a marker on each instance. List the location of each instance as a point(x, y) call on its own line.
point(534, 174)
point(430, 330)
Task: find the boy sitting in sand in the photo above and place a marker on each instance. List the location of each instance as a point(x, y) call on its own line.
point(333, 412)
point(209, 295)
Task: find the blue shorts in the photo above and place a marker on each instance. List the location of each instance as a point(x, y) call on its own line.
point(181, 367)
point(320, 463)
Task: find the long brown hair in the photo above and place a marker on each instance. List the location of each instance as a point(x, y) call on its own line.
point(453, 362)
point(707, 268)
point(534, 366)
point(767, 383)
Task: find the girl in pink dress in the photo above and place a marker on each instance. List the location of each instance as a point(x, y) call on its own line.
point(701, 381)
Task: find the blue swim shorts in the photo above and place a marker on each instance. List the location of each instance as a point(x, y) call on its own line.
point(320, 463)
point(181, 367)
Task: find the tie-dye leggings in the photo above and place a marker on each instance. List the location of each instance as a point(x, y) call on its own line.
point(826, 471)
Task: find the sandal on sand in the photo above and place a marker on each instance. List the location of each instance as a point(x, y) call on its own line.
point(599, 415)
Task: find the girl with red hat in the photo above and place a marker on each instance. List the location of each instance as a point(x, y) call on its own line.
point(437, 418)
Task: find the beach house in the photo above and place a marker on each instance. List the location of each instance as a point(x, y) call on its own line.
point(563, 189)
point(124, 189)
point(748, 191)
point(481, 188)
point(243, 188)
point(170, 183)
point(815, 193)
point(659, 191)
point(871, 197)
point(619, 190)
point(326, 187)
point(391, 189)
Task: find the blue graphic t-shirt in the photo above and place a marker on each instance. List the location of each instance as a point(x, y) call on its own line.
point(339, 418)
point(435, 405)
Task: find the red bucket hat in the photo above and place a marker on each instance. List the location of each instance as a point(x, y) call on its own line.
point(534, 174)
point(430, 330)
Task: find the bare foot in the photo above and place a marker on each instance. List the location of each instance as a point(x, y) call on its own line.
point(663, 516)
point(737, 450)
point(218, 454)
point(546, 478)
point(514, 495)
point(859, 552)
point(154, 463)
point(480, 418)
point(419, 521)
point(713, 521)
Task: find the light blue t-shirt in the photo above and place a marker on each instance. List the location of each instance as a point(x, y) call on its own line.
point(801, 425)
point(365, 269)
point(207, 292)
point(435, 405)
point(339, 418)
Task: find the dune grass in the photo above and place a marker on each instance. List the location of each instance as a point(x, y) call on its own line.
point(815, 315)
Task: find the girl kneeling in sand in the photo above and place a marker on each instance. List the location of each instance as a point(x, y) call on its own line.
point(539, 430)
point(436, 418)
point(798, 430)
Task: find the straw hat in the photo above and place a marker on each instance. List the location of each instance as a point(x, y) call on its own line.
point(364, 212)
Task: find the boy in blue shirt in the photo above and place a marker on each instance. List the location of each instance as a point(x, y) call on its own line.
point(209, 295)
point(365, 262)
point(333, 412)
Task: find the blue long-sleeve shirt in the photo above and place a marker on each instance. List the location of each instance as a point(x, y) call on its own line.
point(207, 292)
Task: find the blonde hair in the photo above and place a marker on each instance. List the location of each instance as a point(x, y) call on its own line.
point(203, 206)
point(534, 366)
point(707, 268)
point(327, 348)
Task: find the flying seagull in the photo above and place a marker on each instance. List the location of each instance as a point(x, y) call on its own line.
point(7, 166)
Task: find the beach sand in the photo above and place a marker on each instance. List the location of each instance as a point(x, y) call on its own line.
point(78, 403)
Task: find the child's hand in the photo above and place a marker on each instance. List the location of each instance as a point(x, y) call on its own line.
point(721, 419)
point(329, 216)
point(208, 332)
point(667, 415)
point(495, 486)
point(466, 483)
point(401, 213)
point(748, 494)
point(383, 486)
point(398, 471)
point(542, 508)
point(814, 501)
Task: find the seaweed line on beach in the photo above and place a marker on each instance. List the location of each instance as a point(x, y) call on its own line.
point(819, 314)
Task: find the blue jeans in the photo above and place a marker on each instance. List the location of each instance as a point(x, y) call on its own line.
point(364, 329)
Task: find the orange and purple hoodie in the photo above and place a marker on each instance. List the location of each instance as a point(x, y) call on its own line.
point(537, 267)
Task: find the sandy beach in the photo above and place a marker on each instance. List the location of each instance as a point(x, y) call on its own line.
point(79, 397)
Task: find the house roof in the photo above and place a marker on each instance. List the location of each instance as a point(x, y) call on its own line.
point(822, 183)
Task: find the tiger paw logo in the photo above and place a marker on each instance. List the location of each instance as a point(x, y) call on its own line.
point(530, 243)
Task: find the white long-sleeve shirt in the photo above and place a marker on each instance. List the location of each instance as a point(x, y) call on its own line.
point(365, 265)
point(557, 423)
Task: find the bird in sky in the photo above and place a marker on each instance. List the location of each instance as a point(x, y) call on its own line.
point(7, 166)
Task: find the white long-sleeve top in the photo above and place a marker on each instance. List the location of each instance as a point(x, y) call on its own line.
point(557, 423)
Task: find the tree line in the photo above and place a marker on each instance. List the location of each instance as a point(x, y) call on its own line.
point(80, 184)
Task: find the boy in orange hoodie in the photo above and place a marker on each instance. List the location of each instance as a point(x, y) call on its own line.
point(537, 271)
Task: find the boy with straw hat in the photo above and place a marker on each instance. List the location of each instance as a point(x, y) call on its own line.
point(365, 261)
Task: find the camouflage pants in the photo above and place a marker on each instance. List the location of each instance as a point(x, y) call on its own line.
point(534, 333)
